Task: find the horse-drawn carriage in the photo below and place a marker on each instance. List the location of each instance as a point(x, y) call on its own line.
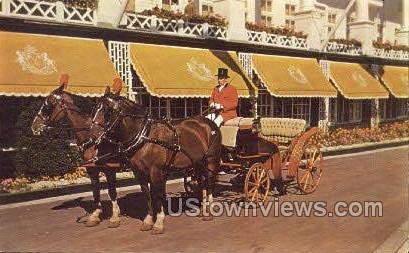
point(268, 152)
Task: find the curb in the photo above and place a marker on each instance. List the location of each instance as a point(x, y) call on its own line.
point(397, 242)
point(9, 198)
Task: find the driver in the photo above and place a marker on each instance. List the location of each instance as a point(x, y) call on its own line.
point(224, 99)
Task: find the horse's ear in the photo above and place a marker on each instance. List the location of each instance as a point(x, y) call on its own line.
point(60, 89)
point(107, 90)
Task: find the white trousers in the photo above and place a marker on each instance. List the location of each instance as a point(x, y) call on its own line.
point(218, 119)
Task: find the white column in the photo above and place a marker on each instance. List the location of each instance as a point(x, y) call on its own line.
point(309, 21)
point(307, 5)
point(405, 13)
point(363, 29)
point(362, 10)
point(251, 11)
point(233, 10)
point(402, 34)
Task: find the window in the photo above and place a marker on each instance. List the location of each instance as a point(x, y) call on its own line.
point(289, 9)
point(296, 108)
point(264, 104)
point(166, 4)
point(289, 23)
point(345, 111)
point(174, 108)
point(267, 21)
point(393, 108)
point(266, 5)
point(332, 18)
point(207, 9)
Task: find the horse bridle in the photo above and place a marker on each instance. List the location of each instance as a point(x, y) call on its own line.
point(64, 109)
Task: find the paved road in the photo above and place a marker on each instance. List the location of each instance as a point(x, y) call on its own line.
point(379, 176)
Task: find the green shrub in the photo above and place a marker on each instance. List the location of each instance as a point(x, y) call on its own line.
point(45, 155)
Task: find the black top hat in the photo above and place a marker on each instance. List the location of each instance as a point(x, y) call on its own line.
point(222, 73)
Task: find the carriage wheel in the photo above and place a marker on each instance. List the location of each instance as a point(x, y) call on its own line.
point(310, 169)
point(257, 184)
point(191, 184)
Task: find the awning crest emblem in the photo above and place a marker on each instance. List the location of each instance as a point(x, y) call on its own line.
point(199, 70)
point(35, 62)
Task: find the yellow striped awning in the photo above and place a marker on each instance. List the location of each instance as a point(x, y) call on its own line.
point(30, 65)
point(292, 77)
point(354, 82)
point(168, 71)
point(396, 80)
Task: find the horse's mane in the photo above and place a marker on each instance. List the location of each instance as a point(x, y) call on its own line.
point(85, 105)
point(131, 106)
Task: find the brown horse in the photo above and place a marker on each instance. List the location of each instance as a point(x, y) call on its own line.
point(156, 147)
point(59, 105)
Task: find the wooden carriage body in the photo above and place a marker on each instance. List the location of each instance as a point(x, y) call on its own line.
point(269, 149)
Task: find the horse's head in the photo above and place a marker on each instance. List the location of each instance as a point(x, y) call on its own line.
point(51, 112)
point(112, 109)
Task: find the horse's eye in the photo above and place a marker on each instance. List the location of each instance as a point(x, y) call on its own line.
point(47, 109)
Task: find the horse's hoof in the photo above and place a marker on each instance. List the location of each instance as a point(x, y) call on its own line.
point(157, 230)
point(114, 223)
point(92, 223)
point(207, 218)
point(146, 227)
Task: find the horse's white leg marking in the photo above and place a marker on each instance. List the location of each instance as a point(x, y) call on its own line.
point(158, 227)
point(115, 211)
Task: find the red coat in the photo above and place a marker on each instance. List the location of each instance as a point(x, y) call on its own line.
point(229, 98)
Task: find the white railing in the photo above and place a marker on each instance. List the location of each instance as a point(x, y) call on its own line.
point(247, 63)
point(34, 9)
point(276, 40)
point(81, 16)
point(30, 9)
point(392, 54)
point(335, 47)
point(120, 56)
point(179, 27)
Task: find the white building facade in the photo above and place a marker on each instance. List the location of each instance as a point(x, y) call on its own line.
point(384, 21)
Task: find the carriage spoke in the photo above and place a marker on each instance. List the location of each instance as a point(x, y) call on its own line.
point(305, 185)
point(254, 194)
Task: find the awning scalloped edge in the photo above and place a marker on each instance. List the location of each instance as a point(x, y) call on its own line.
point(280, 95)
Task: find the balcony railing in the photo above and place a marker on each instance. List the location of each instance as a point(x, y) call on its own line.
point(335, 47)
point(155, 24)
point(276, 40)
point(58, 12)
point(392, 54)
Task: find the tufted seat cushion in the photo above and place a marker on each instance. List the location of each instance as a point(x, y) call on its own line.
point(281, 130)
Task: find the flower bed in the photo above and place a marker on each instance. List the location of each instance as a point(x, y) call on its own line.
point(91, 4)
point(78, 177)
point(275, 30)
point(343, 137)
point(214, 20)
point(389, 46)
point(352, 42)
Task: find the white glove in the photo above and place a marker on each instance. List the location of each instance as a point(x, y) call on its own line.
point(212, 104)
point(218, 106)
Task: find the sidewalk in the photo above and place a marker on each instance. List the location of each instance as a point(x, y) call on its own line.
point(398, 241)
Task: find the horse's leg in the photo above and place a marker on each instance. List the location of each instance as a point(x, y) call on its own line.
point(158, 191)
point(94, 219)
point(110, 174)
point(211, 174)
point(143, 180)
